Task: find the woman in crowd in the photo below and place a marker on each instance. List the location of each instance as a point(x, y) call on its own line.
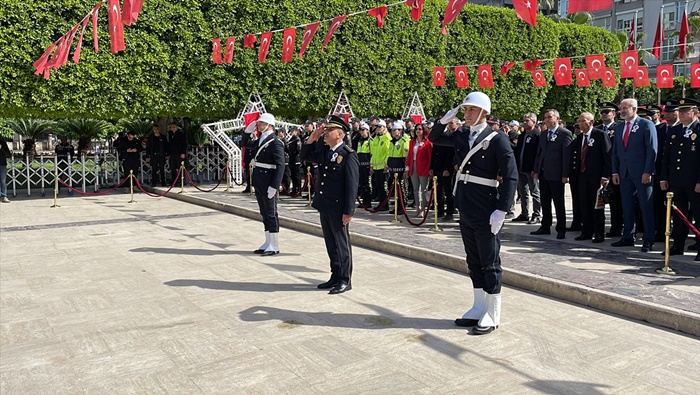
point(420, 153)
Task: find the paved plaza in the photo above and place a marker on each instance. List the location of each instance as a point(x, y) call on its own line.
point(160, 296)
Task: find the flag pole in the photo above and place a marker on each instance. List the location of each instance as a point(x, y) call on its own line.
point(661, 52)
point(634, 37)
point(685, 57)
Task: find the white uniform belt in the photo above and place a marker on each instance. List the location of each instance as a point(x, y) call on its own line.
point(464, 177)
point(264, 165)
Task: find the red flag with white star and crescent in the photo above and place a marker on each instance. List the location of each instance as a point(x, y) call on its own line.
point(78, 48)
point(416, 8)
point(290, 35)
point(127, 6)
point(664, 76)
point(485, 76)
point(438, 76)
point(641, 78)
point(609, 80)
point(265, 39)
point(461, 77)
point(379, 13)
point(562, 71)
point(582, 77)
point(526, 10)
point(538, 79)
point(216, 51)
point(454, 7)
point(695, 75)
point(595, 64)
point(249, 41)
point(228, 53)
point(629, 62)
point(116, 28)
point(309, 33)
point(94, 27)
point(334, 26)
point(505, 67)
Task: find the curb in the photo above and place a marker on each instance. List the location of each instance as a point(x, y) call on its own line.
point(664, 316)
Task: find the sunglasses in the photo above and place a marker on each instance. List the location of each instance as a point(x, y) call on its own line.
point(605, 111)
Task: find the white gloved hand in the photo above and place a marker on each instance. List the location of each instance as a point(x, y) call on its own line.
point(450, 115)
point(496, 220)
point(271, 192)
point(251, 127)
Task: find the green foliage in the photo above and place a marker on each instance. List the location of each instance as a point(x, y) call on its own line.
point(649, 94)
point(80, 127)
point(31, 129)
point(5, 131)
point(140, 127)
point(166, 70)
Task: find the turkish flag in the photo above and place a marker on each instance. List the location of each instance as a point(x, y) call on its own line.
point(56, 55)
point(695, 75)
point(485, 76)
point(582, 77)
point(461, 77)
point(250, 117)
point(629, 61)
point(216, 50)
point(631, 37)
point(136, 8)
point(595, 64)
point(532, 65)
point(682, 35)
point(249, 41)
point(417, 118)
point(334, 25)
point(658, 40)
point(588, 5)
point(505, 67)
point(116, 28)
point(126, 12)
point(290, 35)
point(526, 10)
point(309, 33)
point(40, 64)
point(71, 38)
point(609, 80)
point(538, 79)
point(454, 7)
point(416, 8)
point(664, 76)
point(438, 76)
point(94, 27)
point(562, 71)
point(379, 13)
point(76, 54)
point(228, 53)
point(641, 78)
point(265, 39)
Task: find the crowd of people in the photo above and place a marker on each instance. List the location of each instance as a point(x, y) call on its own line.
point(626, 156)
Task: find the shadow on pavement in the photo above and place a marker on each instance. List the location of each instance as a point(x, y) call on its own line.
point(240, 286)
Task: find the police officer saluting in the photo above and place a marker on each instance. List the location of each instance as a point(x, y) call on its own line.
point(338, 178)
point(268, 163)
point(483, 155)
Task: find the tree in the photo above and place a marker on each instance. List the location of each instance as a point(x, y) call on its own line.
point(693, 36)
point(85, 130)
point(31, 130)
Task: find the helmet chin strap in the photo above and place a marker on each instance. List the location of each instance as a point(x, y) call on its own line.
point(481, 111)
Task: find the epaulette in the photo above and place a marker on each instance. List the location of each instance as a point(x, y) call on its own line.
point(349, 148)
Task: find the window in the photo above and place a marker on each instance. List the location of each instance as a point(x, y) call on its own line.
point(624, 23)
point(670, 20)
point(668, 49)
point(603, 22)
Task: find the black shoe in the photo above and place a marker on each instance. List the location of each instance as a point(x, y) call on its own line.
point(613, 234)
point(448, 218)
point(247, 190)
point(561, 235)
point(599, 239)
point(340, 288)
point(623, 243)
point(647, 246)
point(693, 247)
point(674, 250)
point(534, 220)
point(521, 218)
point(268, 253)
point(541, 231)
point(466, 322)
point(483, 330)
point(583, 237)
point(332, 283)
point(258, 251)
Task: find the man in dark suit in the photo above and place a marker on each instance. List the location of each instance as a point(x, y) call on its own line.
point(591, 159)
point(483, 155)
point(634, 154)
point(680, 171)
point(339, 176)
point(268, 170)
point(443, 167)
point(177, 150)
point(294, 148)
point(525, 154)
point(608, 115)
point(552, 167)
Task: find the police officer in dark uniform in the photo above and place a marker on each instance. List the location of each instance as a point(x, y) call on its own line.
point(608, 117)
point(249, 152)
point(64, 153)
point(680, 172)
point(156, 149)
point(268, 170)
point(338, 177)
point(363, 156)
point(483, 155)
point(129, 149)
point(659, 196)
point(177, 149)
point(294, 150)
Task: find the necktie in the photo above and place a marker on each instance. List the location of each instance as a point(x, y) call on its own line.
point(584, 151)
point(605, 128)
point(549, 135)
point(626, 135)
point(472, 137)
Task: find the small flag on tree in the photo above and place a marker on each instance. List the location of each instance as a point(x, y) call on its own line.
point(461, 77)
point(485, 76)
point(438, 76)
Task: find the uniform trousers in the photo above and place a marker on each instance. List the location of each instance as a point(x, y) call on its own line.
point(593, 219)
point(337, 238)
point(363, 188)
point(616, 211)
point(378, 185)
point(659, 209)
point(552, 191)
point(131, 164)
point(445, 196)
point(175, 163)
point(687, 201)
point(268, 210)
point(483, 250)
point(157, 166)
point(295, 169)
point(628, 186)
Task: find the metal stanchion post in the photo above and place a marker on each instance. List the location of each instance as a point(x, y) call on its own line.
point(182, 177)
point(396, 219)
point(666, 269)
point(435, 206)
point(131, 185)
point(308, 185)
point(55, 186)
point(228, 175)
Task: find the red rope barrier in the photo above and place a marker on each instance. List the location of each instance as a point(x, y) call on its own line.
point(301, 190)
point(405, 214)
point(686, 221)
point(386, 200)
point(96, 193)
point(230, 171)
point(177, 177)
point(187, 173)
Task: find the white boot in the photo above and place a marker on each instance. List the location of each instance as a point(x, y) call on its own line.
point(492, 316)
point(274, 247)
point(471, 317)
point(265, 244)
